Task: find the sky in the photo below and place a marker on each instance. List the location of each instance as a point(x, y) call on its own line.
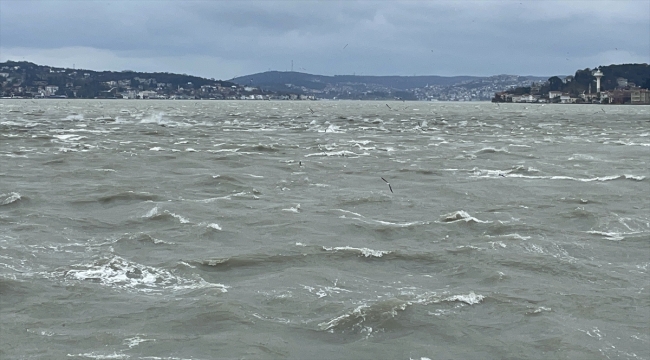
point(226, 39)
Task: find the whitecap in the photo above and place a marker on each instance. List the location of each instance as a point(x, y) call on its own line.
point(94, 355)
point(539, 310)
point(511, 236)
point(349, 212)
point(293, 209)
point(9, 198)
point(69, 137)
point(120, 273)
point(364, 251)
point(461, 215)
point(614, 236)
point(214, 226)
point(74, 117)
point(153, 212)
point(405, 224)
point(470, 299)
point(179, 217)
point(337, 153)
point(135, 341)
point(634, 177)
point(559, 177)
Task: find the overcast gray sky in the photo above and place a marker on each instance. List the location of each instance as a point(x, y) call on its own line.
point(224, 39)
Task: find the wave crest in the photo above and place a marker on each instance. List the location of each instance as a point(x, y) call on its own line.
point(122, 274)
point(10, 198)
point(461, 215)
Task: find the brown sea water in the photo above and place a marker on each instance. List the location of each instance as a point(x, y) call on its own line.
point(261, 230)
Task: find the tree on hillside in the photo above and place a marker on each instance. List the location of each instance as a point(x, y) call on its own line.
point(646, 84)
point(555, 83)
point(583, 77)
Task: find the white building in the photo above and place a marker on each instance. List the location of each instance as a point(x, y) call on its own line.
point(566, 99)
point(147, 94)
point(51, 90)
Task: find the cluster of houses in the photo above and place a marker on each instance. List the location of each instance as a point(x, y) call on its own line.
point(635, 96)
point(625, 93)
point(123, 89)
point(31, 81)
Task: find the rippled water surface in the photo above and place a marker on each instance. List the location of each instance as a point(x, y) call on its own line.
point(263, 230)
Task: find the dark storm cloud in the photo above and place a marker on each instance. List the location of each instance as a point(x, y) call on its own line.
point(229, 38)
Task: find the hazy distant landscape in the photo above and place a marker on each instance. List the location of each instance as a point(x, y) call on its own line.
point(25, 79)
point(453, 88)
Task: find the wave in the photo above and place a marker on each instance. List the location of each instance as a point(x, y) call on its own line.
point(338, 153)
point(156, 214)
point(10, 198)
point(365, 317)
point(615, 235)
point(128, 196)
point(461, 215)
point(365, 220)
point(511, 236)
point(119, 273)
point(264, 148)
point(363, 251)
point(248, 260)
point(610, 235)
point(491, 150)
point(309, 254)
point(293, 209)
point(142, 237)
point(74, 117)
point(494, 173)
point(214, 226)
point(241, 194)
point(627, 143)
point(604, 178)
point(391, 224)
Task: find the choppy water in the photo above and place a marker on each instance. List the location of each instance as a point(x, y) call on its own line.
point(261, 230)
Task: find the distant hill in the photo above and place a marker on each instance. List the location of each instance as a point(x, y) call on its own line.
point(279, 79)
point(361, 87)
point(28, 80)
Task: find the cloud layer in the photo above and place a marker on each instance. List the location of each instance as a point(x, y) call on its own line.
point(224, 39)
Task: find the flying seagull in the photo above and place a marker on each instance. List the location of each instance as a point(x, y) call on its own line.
point(346, 45)
point(391, 109)
point(312, 111)
point(389, 187)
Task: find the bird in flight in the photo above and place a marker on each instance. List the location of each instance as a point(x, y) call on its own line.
point(312, 111)
point(389, 187)
point(346, 45)
point(389, 108)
